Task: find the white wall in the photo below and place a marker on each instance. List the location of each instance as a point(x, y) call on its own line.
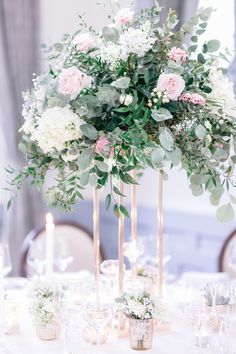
point(58, 17)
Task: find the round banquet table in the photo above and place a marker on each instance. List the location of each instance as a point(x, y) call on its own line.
point(177, 339)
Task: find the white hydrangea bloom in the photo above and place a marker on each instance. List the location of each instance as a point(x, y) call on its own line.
point(223, 89)
point(110, 54)
point(136, 41)
point(56, 127)
point(136, 308)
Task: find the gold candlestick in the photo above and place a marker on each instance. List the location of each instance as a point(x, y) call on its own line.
point(134, 218)
point(160, 243)
point(121, 236)
point(96, 241)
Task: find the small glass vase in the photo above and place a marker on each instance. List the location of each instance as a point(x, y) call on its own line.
point(48, 331)
point(141, 333)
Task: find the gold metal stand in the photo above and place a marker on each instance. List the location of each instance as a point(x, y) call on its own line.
point(160, 243)
point(96, 241)
point(134, 218)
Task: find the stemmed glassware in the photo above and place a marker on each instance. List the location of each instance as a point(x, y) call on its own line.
point(98, 314)
point(7, 268)
point(195, 308)
point(132, 250)
point(36, 257)
point(110, 268)
point(62, 257)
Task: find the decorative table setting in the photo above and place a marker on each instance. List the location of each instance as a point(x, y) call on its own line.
point(113, 103)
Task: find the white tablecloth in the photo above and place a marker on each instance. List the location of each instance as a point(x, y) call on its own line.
point(178, 339)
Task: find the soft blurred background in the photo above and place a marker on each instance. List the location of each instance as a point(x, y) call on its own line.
point(193, 236)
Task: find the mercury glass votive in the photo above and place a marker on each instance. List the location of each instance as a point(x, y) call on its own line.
point(12, 317)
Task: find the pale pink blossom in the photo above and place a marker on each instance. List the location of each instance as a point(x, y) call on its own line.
point(84, 42)
point(171, 84)
point(198, 99)
point(101, 145)
point(72, 81)
point(186, 96)
point(177, 54)
point(124, 16)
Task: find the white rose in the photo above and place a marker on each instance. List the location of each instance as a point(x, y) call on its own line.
point(56, 127)
point(126, 99)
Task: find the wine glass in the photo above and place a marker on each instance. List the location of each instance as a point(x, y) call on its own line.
point(132, 250)
point(110, 268)
point(195, 309)
point(62, 256)
point(36, 257)
point(7, 265)
point(98, 314)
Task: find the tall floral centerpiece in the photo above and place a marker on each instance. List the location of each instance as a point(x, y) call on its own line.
point(130, 97)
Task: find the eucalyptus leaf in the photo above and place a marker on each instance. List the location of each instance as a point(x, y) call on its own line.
point(158, 155)
point(84, 158)
point(161, 114)
point(166, 139)
point(174, 156)
point(84, 178)
point(200, 131)
point(93, 180)
point(225, 213)
point(197, 189)
point(213, 45)
point(102, 166)
point(110, 34)
point(89, 131)
point(108, 201)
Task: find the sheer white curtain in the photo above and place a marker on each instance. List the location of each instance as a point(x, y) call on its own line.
point(19, 58)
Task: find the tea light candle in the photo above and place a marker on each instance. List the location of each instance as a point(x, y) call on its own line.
point(90, 335)
point(202, 338)
point(50, 227)
point(12, 309)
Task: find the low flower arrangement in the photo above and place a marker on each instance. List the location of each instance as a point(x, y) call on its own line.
point(140, 306)
point(43, 307)
point(131, 97)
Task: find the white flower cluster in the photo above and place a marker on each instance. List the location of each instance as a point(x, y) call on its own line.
point(133, 40)
point(139, 306)
point(43, 307)
point(57, 126)
point(223, 90)
point(33, 107)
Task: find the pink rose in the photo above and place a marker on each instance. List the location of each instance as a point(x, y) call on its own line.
point(198, 99)
point(124, 16)
point(84, 42)
point(172, 84)
point(186, 96)
point(177, 54)
point(72, 81)
point(101, 145)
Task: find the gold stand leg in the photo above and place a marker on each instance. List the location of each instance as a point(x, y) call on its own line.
point(160, 243)
point(96, 242)
point(134, 218)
